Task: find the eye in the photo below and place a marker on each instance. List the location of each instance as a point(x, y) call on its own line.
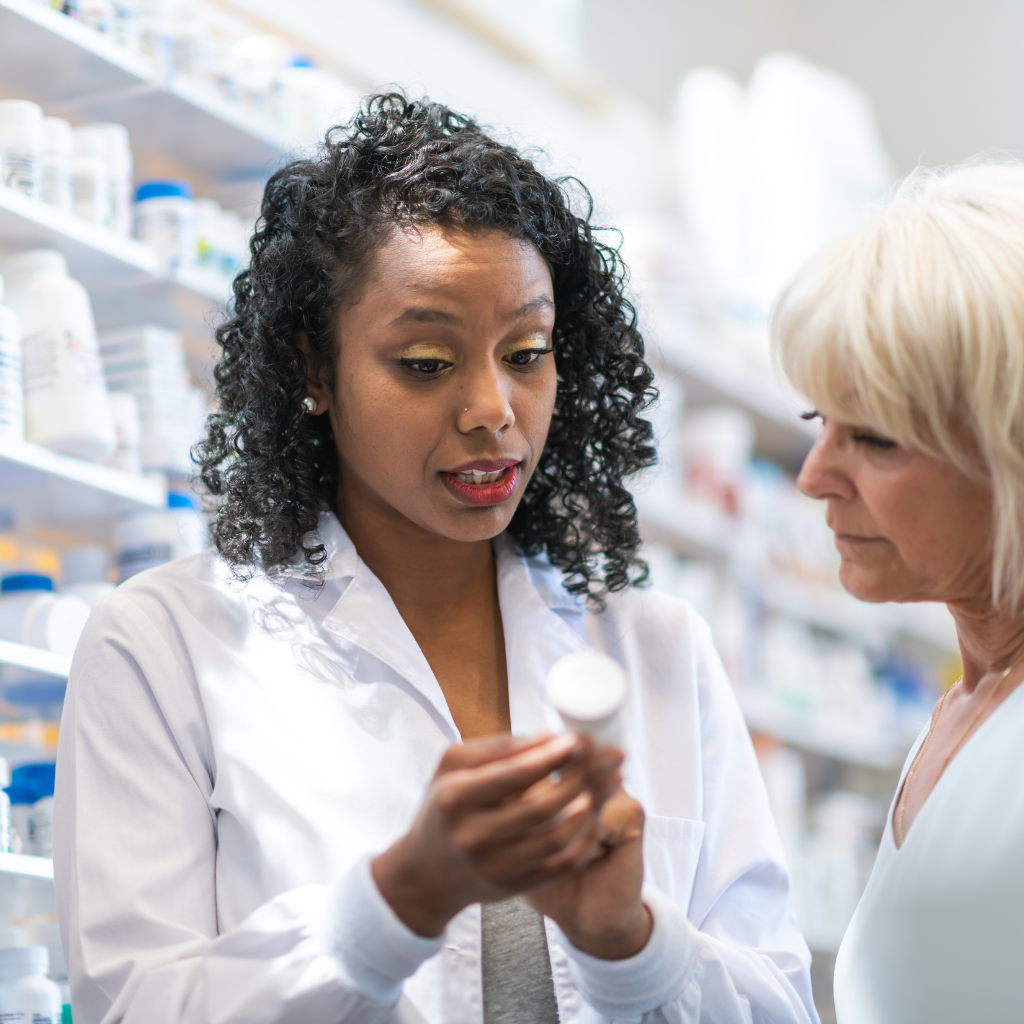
point(526, 356)
point(812, 414)
point(873, 440)
point(426, 367)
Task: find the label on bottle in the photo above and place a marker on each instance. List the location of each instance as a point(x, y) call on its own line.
point(20, 171)
point(48, 354)
point(12, 402)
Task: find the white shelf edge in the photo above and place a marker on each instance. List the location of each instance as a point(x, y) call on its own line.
point(141, 490)
point(198, 95)
point(34, 659)
point(101, 240)
point(24, 866)
point(83, 37)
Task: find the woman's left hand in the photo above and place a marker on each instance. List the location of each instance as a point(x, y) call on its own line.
point(599, 906)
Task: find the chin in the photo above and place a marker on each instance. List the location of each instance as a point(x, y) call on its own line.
point(866, 585)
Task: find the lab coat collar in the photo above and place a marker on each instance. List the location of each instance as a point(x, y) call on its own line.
point(542, 622)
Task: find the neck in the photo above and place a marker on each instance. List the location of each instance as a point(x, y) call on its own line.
point(431, 578)
point(990, 641)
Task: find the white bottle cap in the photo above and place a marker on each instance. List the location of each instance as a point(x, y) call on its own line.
point(588, 691)
point(1, 288)
point(34, 261)
point(22, 961)
point(57, 136)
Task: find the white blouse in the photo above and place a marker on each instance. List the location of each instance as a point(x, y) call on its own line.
point(231, 757)
point(939, 933)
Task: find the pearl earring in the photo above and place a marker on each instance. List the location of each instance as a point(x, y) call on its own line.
point(309, 403)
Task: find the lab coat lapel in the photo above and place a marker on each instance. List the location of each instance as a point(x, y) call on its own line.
point(365, 615)
point(538, 615)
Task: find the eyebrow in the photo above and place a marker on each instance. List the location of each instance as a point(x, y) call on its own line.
point(423, 315)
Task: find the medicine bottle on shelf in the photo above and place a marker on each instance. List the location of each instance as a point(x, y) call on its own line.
point(66, 403)
point(12, 399)
point(21, 145)
point(147, 538)
point(165, 218)
point(58, 154)
point(26, 994)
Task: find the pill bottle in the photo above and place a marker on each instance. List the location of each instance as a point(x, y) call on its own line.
point(12, 396)
point(127, 455)
point(66, 403)
point(126, 24)
point(41, 821)
point(588, 691)
point(85, 573)
point(145, 539)
point(31, 613)
point(27, 996)
point(209, 223)
point(90, 174)
point(165, 218)
point(109, 142)
point(57, 157)
point(21, 145)
point(5, 807)
point(97, 15)
point(21, 798)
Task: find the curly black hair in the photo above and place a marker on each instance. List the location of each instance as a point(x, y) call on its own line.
point(402, 161)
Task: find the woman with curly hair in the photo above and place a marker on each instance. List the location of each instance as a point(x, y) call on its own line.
point(307, 777)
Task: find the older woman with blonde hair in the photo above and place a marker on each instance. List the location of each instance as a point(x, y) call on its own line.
point(908, 338)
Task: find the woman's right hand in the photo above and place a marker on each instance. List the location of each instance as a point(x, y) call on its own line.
point(495, 822)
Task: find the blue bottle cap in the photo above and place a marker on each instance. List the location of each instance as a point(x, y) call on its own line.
point(163, 188)
point(21, 794)
point(25, 581)
point(179, 499)
point(37, 778)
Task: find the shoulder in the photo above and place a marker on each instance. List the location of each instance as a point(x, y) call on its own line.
point(651, 617)
point(169, 603)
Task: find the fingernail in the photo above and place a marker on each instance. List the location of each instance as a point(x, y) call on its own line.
point(565, 743)
point(611, 759)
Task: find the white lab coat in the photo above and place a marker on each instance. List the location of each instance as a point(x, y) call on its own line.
point(232, 755)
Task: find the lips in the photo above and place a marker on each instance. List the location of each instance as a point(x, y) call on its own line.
point(484, 481)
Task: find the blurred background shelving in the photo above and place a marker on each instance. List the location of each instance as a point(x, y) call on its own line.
point(675, 115)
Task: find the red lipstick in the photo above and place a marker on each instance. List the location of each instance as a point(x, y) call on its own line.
point(502, 478)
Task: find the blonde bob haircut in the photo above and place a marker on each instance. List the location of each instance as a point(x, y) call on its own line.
point(914, 326)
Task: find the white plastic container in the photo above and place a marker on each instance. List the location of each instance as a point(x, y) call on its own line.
point(5, 807)
point(27, 996)
point(12, 396)
point(127, 455)
point(717, 443)
point(126, 24)
point(30, 613)
point(85, 573)
point(58, 155)
point(66, 403)
point(21, 145)
point(112, 144)
point(97, 15)
point(165, 218)
point(91, 174)
point(41, 828)
point(209, 232)
point(147, 539)
point(588, 692)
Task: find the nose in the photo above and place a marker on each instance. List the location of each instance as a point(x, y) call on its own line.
point(822, 475)
point(484, 402)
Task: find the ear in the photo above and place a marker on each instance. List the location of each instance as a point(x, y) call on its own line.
point(315, 388)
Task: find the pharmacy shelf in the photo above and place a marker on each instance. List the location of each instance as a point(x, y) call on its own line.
point(694, 530)
point(834, 738)
point(49, 58)
point(712, 374)
point(46, 488)
point(34, 659)
point(20, 865)
point(75, 72)
point(121, 274)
